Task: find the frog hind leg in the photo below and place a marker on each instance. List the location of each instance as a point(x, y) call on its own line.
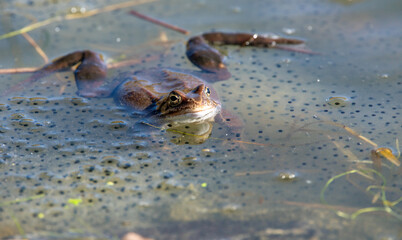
point(90, 74)
point(207, 58)
point(200, 52)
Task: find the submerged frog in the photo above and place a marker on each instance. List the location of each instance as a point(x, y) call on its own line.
point(165, 95)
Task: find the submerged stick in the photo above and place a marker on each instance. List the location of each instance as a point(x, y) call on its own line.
point(18, 70)
point(158, 22)
point(36, 46)
point(31, 27)
point(19, 200)
point(323, 206)
point(73, 16)
point(107, 9)
point(382, 151)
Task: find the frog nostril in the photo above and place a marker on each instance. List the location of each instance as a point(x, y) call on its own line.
point(199, 89)
point(196, 89)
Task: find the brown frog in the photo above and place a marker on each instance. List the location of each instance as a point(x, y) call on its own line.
point(165, 95)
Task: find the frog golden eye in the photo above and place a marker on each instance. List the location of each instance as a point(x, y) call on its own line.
point(207, 91)
point(174, 100)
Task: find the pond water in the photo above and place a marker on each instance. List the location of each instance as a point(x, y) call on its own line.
point(72, 168)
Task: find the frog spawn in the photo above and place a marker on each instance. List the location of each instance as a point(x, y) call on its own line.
point(82, 165)
point(111, 179)
point(86, 154)
point(93, 159)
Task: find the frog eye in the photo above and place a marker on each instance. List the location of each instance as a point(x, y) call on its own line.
point(174, 100)
point(207, 91)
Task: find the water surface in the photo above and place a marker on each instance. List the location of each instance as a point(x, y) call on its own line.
point(71, 167)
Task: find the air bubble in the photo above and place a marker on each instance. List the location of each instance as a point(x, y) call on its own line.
point(17, 116)
point(289, 31)
point(384, 76)
point(236, 9)
point(38, 101)
point(118, 124)
point(338, 101)
point(4, 107)
point(19, 100)
point(35, 148)
point(77, 10)
point(286, 176)
point(110, 160)
point(4, 129)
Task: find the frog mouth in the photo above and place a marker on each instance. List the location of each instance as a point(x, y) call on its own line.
point(192, 116)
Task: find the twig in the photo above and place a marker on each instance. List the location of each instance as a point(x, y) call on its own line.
point(262, 172)
point(350, 155)
point(239, 174)
point(158, 22)
point(36, 46)
point(74, 16)
point(18, 70)
point(107, 9)
point(324, 206)
point(31, 27)
point(18, 225)
point(18, 200)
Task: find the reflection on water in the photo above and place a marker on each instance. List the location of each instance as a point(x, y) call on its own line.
point(72, 167)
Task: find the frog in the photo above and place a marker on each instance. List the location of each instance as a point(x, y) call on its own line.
point(166, 96)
